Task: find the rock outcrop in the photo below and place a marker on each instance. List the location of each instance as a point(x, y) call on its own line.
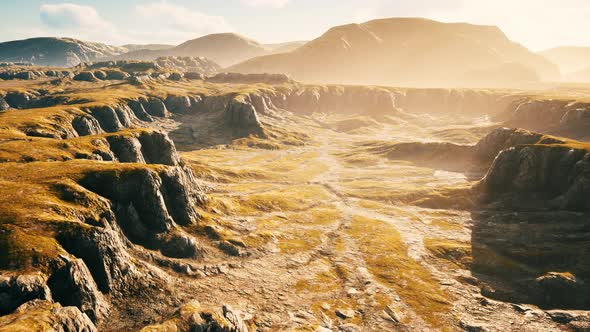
point(73, 285)
point(16, 290)
point(85, 76)
point(47, 317)
point(193, 317)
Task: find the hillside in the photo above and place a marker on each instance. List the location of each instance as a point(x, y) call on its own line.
point(404, 51)
point(569, 59)
point(60, 52)
point(224, 48)
point(153, 47)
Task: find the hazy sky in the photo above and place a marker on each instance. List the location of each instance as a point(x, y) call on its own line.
point(537, 24)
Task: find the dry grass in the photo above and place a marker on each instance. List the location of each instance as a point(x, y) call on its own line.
point(386, 257)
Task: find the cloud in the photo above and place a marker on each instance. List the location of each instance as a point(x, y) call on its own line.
point(265, 3)
point(72, 20)
point(71, 16)
point(175, 22)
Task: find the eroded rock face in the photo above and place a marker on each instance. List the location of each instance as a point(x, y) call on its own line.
point(104, 252)
point(18, 289)
point(127, 149)
point(502, 138)
point(521, 250)
point(139, 111)
point(40, 315)
point(107, 118)
point(242, 117)
point(155, 107)
point(556, 174)
point(148, 203)
point(18, 100)
point(73, 285)
point(86, 125)
point(178, 104)
point(158, 148)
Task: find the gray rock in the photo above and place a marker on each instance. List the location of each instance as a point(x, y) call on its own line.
point(18, 289)
point(127, 149)
point(101, 75)
point(85, 76)
point(156, 107)
point(73, 285)
point(3, 105)
point(46, 313)
point(107, 118)
point(178, 104)
point(86, 125)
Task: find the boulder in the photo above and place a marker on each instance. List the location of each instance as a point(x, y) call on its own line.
point(18, 289)
point(176, 76)
point(42, 315)
point(101, 75)
point(3, 105)
point(116, 75)
point(559, 290)
point(194, 76)
point(18, 100)
point(194, 317)
point(85, 76)
point(180, 246)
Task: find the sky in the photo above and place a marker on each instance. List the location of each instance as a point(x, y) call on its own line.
point(537, 24)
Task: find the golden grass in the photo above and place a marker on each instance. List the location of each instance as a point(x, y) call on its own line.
point(386, 257)
point(455, 252)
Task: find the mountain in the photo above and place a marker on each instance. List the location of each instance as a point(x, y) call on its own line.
point(579, 76)
point(61, 52)
point(570, 59)
point(402, 51)
point(153, 47)
point(225, 49)
point(284, 47)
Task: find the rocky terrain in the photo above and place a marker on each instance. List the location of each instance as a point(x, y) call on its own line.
point(451, 54)
point(140, 197)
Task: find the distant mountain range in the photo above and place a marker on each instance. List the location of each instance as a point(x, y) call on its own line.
point(60, 52)
point(395, 51)
point(224, 48)
point(573, 61)
point(408, 51)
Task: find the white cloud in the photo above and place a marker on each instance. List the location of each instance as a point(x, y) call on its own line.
point(69, 15)
point(77, 21)
point(265, 3)
point(167, 21)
